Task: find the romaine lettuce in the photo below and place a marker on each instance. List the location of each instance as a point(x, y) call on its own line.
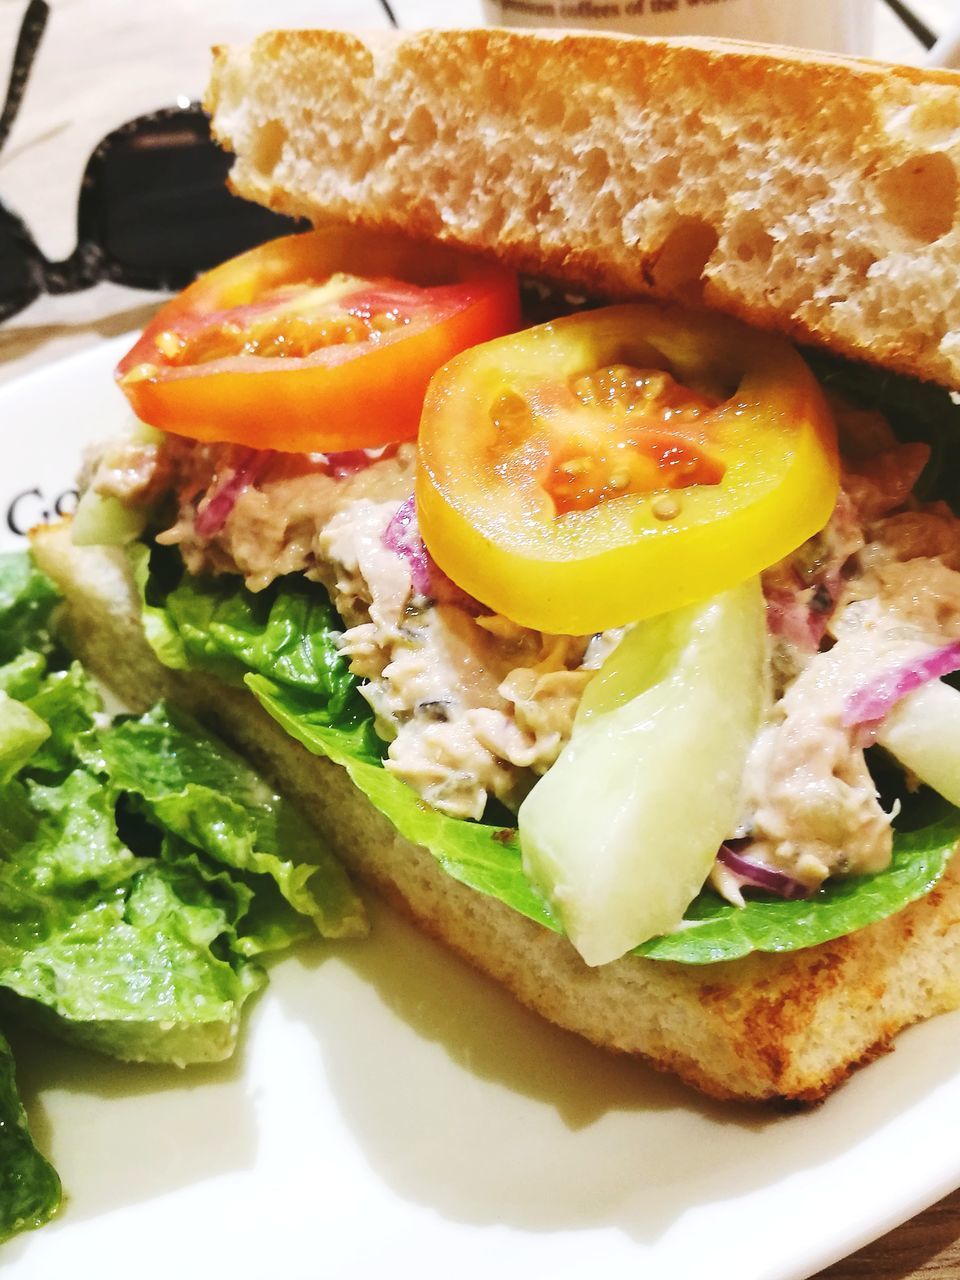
point(219, 805)
point(69, 702)
point(29, 1186)
point(22, 676)
point(27, 599)
point(22, 733)
point(130, 954)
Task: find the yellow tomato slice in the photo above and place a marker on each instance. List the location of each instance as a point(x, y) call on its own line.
point(620, 463)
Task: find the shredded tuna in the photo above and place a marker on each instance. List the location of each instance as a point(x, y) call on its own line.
point(811, 805)
point(473, 709)
point(802, 591)
point(133, 471)
point(474, 706)
point(811, 808)
point(274, 524)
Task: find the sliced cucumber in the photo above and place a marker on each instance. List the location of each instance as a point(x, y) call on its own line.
point(622, 832)
point(106, 521)
point(923, 733)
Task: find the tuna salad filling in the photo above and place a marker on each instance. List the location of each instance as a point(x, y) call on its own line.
point(475, 707)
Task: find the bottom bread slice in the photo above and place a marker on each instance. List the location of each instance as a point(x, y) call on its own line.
point(789, 1026)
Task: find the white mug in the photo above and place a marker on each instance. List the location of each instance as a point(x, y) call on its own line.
point(844, 26)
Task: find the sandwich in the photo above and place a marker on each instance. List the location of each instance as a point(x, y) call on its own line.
point(609, 635)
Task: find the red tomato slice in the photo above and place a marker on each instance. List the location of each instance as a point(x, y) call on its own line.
point(314, 343)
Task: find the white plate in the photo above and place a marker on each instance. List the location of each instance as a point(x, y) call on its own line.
point(393, 1113)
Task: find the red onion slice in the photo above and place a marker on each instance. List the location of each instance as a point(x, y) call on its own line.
point(759, 876)
point(871, 703)
point(347, 462)
point(215, 509)
point(402, 536)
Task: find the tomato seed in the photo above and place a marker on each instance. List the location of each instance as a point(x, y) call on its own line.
point(666, 507)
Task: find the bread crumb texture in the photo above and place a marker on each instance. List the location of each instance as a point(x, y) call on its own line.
point(817, 195)
point(769, 1027)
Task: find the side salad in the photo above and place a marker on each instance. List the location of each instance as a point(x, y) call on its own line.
point(145, 872)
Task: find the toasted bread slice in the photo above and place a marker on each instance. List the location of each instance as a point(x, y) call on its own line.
point(814, 195)
point(767, 1027)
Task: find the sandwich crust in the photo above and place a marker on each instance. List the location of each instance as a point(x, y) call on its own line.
point(806, 193)
point(768, 1027)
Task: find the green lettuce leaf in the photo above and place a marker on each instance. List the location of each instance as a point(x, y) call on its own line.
point(286, 633)
point(27, 599)
point(263, 920)
point(29, 1186)
point(42, 722)
point(258, 919)
point(129, 955)
point(23, 675)
point(487, 858)
point(716, 930)
point(61, 837)
point(68, 701)
point(206, 794)
point(142, 864)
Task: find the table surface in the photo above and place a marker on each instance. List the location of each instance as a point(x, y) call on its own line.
point(105, 61)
